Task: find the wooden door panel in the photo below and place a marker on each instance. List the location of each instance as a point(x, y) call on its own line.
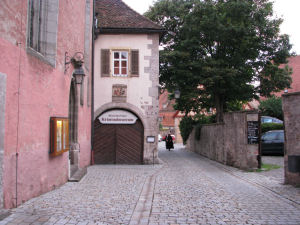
point(104, 144)
point(121, 144)
point(129, 144)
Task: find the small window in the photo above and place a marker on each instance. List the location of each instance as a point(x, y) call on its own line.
point(34, 38)
point(59, 136)
point(120, 63)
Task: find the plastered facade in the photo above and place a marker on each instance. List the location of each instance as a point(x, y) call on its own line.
point(35, 91)
point(142, 91)
point(2, 130)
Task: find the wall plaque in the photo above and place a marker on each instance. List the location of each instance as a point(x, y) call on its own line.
point(253, 132)
point(117, 117)
point(119, 93)
point(119, 90)
point(150, 139)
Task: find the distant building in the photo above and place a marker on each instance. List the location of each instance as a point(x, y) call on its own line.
point(166, 112)
point(294, 63)
point(44, 114)
point(169, 117)
point(126, 67)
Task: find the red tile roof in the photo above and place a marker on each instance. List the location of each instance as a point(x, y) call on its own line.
point(166, 110)
point(115, 15)
point(166, 105)
point(294, 63)
point(167, 119)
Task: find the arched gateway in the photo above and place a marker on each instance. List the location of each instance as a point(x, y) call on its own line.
point(118, 138)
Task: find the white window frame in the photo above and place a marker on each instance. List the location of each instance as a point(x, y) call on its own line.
point(120, 60)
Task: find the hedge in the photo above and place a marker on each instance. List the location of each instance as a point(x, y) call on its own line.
point(271, 126)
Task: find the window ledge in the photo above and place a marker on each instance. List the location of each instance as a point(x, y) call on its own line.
point(38, 55)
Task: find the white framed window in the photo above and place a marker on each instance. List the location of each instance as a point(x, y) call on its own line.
point(120, 63)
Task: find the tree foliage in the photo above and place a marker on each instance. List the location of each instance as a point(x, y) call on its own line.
point(186, 126)
point(272, 107)
point(216, 49)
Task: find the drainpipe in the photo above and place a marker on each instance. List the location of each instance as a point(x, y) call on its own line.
point(19, 44)
point(92, 105)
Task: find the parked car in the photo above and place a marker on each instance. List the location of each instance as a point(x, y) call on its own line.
point(269, 119)
point(272, 143)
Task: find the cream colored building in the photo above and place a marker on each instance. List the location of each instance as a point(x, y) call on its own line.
point(126, 68)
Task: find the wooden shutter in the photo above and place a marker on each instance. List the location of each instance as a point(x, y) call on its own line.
point(105, 61)
point(134, 63)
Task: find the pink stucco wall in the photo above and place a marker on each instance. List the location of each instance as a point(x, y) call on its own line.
point(35, 92)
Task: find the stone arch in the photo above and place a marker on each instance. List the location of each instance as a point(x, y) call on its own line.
point(125, 106)
point(119, 143)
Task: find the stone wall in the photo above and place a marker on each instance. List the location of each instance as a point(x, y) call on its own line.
point(227, 142)
point(291, 109)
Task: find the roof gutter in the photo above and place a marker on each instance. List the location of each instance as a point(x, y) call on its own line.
point(161, 32)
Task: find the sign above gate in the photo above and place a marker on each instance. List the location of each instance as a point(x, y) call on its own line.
point(117, 117)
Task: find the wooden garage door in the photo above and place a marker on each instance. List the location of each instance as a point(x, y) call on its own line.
point(120, 144)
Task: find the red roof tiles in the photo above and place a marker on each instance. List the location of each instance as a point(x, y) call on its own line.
point(116, 15)
point(294, 63)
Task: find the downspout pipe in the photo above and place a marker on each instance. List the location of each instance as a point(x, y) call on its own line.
point(92, 94)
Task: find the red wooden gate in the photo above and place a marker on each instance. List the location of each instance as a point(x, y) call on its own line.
point(118, 143)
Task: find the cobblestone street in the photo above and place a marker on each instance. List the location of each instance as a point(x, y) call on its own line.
point(184, 189)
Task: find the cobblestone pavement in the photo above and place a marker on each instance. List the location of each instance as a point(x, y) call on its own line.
point(184, 189)
point(277, 174)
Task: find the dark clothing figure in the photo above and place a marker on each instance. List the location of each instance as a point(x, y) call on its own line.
point(169, 142)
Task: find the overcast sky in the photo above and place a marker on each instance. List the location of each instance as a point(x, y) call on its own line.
point(286, 9)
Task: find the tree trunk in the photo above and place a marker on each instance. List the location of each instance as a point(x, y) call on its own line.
point(219, 103)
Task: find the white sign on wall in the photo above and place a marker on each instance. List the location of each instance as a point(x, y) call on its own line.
point(117, 117)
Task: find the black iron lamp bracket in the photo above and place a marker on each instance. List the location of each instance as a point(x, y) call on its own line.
point(77, 60)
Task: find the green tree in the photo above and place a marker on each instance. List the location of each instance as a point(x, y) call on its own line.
point(272, 107)
point(216, 49)
point(186, 126)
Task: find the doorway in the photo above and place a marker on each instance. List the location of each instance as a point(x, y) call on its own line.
point(73, 129)
point(118, 143)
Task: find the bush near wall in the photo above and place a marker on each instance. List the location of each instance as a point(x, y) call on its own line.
point(187, 124)
point(272, 107)
point(271, 126)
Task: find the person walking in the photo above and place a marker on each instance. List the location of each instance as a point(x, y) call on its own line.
point(169, 142)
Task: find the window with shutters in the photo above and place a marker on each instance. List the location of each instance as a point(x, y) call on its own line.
point(119, 63)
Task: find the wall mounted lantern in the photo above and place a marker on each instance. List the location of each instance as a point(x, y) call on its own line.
point(78, 74)
point(76, 60)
